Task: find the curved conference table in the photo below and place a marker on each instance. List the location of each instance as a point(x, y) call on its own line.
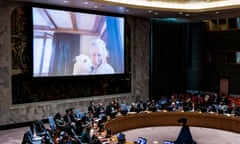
point(149, 119)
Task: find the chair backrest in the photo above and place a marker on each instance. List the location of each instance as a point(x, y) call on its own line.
point(79, 114)
point(48, 138)
point(78, 138)
point(52, 123)
point(38, 128)
point(30, 133)
point(32, 138)
point(128, 107)
point(26, 138)
point(124, 107)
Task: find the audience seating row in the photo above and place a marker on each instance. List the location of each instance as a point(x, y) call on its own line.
point(35, 135)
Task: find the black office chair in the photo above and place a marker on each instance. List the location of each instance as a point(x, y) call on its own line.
point(33, 139)
point(79, 114)
point(75, 136)
point(237, 112)
point(38, 128)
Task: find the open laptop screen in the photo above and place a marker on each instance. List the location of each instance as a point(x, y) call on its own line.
point(141, 140)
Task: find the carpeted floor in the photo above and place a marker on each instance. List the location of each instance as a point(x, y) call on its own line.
point(159, 134)
point(12, 136)
point(200, 135)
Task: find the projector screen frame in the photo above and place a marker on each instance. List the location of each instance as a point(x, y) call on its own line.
point(123, 74)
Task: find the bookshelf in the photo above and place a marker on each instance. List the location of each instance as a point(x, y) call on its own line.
point(223, 24)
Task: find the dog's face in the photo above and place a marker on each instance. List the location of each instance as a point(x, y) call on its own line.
point(83, 65)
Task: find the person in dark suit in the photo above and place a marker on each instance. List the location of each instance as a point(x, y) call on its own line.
point(141, 106)
point(185, 136)
point(92, 109)
point(111, 109)
point(100, 110)
point(152, 107)
point(70, 118)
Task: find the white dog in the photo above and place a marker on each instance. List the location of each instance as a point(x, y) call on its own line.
point(83, 65)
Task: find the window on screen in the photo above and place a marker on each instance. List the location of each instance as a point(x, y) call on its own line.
point(238, 57)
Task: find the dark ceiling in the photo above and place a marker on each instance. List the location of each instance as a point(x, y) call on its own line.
point(95, 5)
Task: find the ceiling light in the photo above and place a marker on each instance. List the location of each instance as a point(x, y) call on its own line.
point(65, 1)
point(194, 6)
point(85, 2)
point(150, 11)
point(95, 6)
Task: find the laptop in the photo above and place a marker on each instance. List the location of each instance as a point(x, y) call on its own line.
point(168, 142)
point(141, 140)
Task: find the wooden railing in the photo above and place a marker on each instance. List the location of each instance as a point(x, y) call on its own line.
point(196, 119)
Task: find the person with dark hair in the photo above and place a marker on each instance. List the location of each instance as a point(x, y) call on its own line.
point(85, 136)
point(111, 109)
point(100, 110)
point(187, 105)
point(184, 136)
point(121, 138)
point(68, 139)
point(92, 109)
point(60, 123)
point(70, 118)
point(152, 107)
point(141, 106)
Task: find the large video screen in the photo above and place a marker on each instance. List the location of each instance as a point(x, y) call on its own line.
point(71, 43)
